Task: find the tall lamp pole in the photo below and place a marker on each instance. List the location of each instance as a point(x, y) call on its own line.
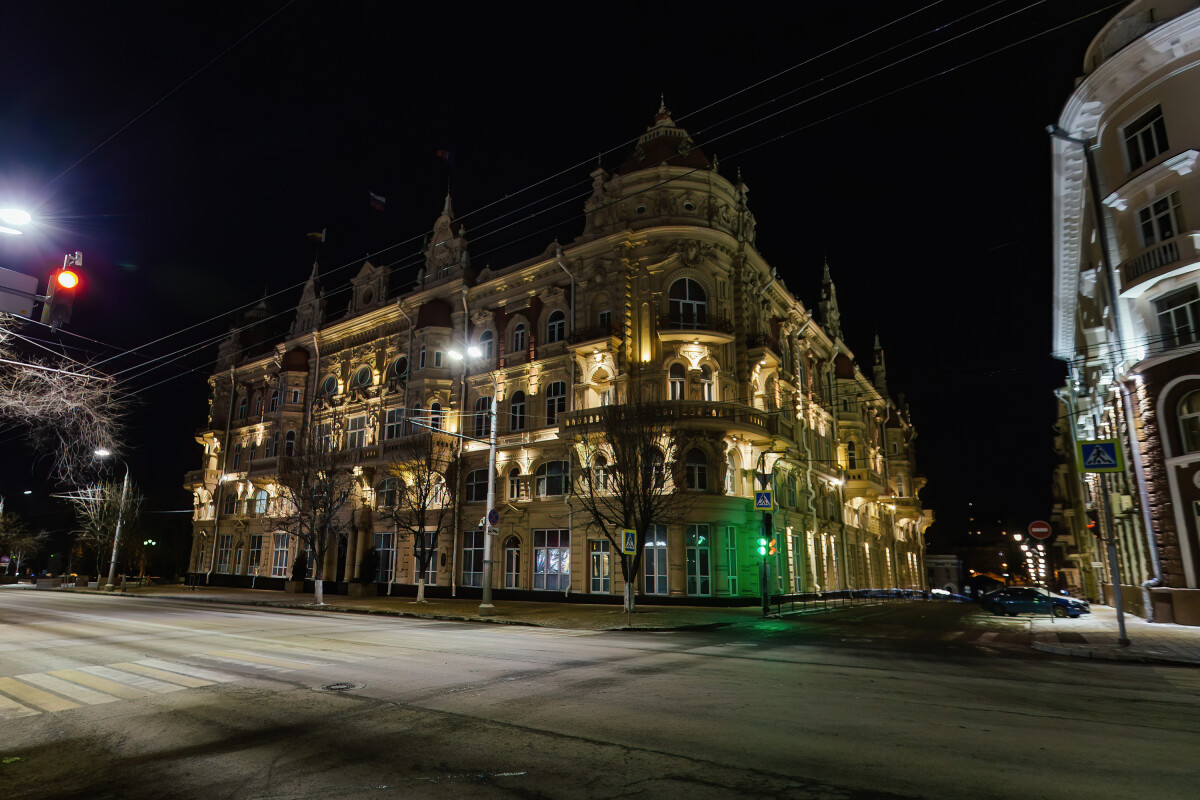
point(112, 565)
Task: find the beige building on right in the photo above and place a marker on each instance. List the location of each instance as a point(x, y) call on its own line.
point(1127, 309)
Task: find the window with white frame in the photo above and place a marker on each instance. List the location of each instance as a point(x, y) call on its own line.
point(272, 448)
point(273, 404)
point(363, 377)
point(254, 562)
point(487, 343)
point(551, 560)
point(556, 401)
point(261, 501)
point(696, 469)
point(393, 423)
point(851, 456)
point(600, 474)
point(516, 486)
point(1161, 220)
point(324, 437)
point(688, 303)
point(243, 406)
point(519, 338)
point(437, 358)
point(385, 548)
point(477, 483)
point(279, 556)
point(512, 563)
point(431, 573)
point(731, 558)
point(600, 551)
point(516, 412)
point(387, 493)
point(655, 560)
point(1178, 318)
point(1145, 137)
point(472, 557)
point(730, 476)
point(435, 416)
point(237, 458)
point(356, 432)
point(399, 368)
point(1189, 422)
point(697, 566)
point(421, 358)
point(553, 479)
point(224, 548)
point(706, 384)
point(231, 500)
point(556, 327)
point(295, 395)
point(483, 417)
point(677, 383)
point(329, 386)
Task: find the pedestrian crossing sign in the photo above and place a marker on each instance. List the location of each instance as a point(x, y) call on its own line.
point(1100, 455)
point(763, 501)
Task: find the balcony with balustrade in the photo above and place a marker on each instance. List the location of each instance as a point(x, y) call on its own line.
point(1165, 259)
point(690, 414)
point(702, 328)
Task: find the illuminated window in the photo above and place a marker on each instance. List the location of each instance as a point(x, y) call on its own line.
point(486, 343)
point(356, 432)
point(556, 401)
point(676, 382)
point(1178, 318)
point(387, 493)
point(1189, 422)
point(1145, 138)
point(688, 303)
point(512, 563)
point(551, 560)
point(706, 383)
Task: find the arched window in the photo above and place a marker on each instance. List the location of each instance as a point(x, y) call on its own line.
point(289, 444)
point(261, 498)
point(237, 458)
point(243, 407)
point(435, 416)
point(516, 412)
point(512, 563)
point(1189, 421)
point(519, 338)
point(656, 467)
point(706, 383)
point(231, 502)
point(688, 303)
point(556, 327)
point(731, 476)
point(387, 493)
point(274, 404)
point(477, 483)
point(696, 469)
point(483, 417)
point(676, 382)
point(851, 457)
point(486, 343)
point(516, 491)
point(791, 491)
point(258, 400)
point(363, 377)
point(600, 474)
point(553, 478)
point(253, 453)
point(556, 401)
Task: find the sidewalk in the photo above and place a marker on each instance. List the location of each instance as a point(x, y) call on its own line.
point(1095, 636)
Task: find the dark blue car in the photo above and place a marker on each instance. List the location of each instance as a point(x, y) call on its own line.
point(1031, 599)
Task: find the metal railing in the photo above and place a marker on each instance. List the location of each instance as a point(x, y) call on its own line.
point(707, 322)
point(808, 601)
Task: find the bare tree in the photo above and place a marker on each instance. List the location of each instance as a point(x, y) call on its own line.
point(316, 491)
point(97, 511)
point(419, 501)
point(16, 541)
point(628, 477)
point(67, 410)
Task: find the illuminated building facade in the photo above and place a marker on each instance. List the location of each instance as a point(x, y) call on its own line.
point(665, 280)
point(1127, 307)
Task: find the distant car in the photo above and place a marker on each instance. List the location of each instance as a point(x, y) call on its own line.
point(1031, 599)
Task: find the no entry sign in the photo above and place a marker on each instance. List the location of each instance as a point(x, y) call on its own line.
point(1039, 529)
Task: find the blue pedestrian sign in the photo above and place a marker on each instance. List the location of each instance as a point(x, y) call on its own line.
point(628, 541)
point(1100, 455)
point(763, 501)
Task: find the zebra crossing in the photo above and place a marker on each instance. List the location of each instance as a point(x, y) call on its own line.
point(65, 689)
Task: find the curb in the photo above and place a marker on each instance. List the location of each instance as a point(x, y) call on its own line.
point(1108, 654)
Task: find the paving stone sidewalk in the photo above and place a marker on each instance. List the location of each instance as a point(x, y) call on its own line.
point(1096, 635)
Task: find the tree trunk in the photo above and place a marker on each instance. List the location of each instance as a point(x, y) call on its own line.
point(630, 599)
point(319, 588)
point(420, 590)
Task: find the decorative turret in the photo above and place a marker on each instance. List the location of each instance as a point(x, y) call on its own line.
point(664, 142)
point(879, 370)
point(447, 249)
point(831, 317)
point(311, 310)
point(368, 288)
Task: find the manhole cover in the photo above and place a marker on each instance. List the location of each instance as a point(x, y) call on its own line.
point(339, 687)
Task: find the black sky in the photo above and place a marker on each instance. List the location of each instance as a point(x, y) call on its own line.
point(931, 203)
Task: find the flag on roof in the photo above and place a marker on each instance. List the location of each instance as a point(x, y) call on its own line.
point(444, 155)
point(318, 236)
point(376, 201)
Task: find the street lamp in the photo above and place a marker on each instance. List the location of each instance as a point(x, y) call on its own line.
point(112, 565)
point(485, 604)
point(13, 216)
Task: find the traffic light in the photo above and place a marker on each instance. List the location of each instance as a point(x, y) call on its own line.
point(1093, 522)
point(60, 292)
point(773, 551)
point(762, 547)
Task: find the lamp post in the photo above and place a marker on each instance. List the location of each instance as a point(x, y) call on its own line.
point(112, 566)
point(485, 604)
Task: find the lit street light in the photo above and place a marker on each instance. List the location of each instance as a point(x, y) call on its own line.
point(13, 216)
point(112, 566)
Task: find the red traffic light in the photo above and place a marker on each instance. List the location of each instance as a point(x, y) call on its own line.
point(67, 279)
point(772, 547)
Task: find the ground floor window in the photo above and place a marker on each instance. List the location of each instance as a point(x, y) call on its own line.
point(279, 557)
point(601, 566)
point(796, 553)
point(472, 563)
point(698, 583)
point(431, 573)
point(255, 560)
point(224, 547)
point(552, 560)
point(654, 560)
point(731, 559)
point(385, 548)
point(512, 563)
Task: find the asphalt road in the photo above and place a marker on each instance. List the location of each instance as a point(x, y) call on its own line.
point(110, 697)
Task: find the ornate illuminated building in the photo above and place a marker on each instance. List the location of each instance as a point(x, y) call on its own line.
point(1127, 308)
point(664, 281)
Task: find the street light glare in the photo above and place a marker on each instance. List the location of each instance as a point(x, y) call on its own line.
point(15, 216)
point(103, 452)
point(474, 352)
point(9, 231)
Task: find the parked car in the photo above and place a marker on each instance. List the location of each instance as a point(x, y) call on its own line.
point(1031, 599)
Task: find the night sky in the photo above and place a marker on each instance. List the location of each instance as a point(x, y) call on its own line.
point(187, 151)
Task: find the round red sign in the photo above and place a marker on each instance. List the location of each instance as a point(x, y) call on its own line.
point(1040, 530)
